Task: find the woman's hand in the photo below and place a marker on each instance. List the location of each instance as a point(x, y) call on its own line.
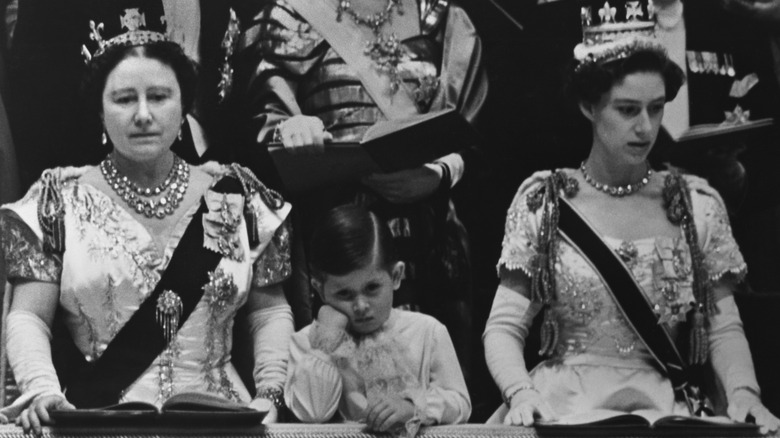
point(300, 131)
point(405, 186)
point(389, 412)
point(525, 407)
point(265, 405)
point(37, 414)
point(744, 403)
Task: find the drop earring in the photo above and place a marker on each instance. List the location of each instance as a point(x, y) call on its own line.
point(104, 138)
point(179, 134)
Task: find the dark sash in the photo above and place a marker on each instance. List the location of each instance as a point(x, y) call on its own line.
point(141, 340)
point(628, 295)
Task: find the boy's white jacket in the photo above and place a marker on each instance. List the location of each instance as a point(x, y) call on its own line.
point(411, 355)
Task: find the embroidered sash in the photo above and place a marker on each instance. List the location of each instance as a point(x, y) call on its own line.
point(141, 339)
point(628, 295)
point(348, 40)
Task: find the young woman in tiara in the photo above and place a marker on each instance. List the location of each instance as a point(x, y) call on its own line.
point(145, 259)
point(623, 266)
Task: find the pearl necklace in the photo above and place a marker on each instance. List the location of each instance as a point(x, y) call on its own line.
point(618, 191)
point(175, 184)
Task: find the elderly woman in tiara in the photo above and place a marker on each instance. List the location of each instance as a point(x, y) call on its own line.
point(630, 271)
point(145, 259)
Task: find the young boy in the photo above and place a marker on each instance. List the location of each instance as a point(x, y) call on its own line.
point(392, 369)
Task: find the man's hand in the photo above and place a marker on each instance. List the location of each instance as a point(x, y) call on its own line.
point(301, 131)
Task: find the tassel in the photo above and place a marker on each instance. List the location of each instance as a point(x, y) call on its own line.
point(549, 333)
point(698, 338)
point(251, 226)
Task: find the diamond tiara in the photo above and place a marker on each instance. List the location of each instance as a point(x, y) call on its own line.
point(613, 38)
point(131, 39)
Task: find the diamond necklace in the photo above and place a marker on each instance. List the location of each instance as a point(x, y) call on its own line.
point(617, 190)
point(175, 186)
point(386, 51)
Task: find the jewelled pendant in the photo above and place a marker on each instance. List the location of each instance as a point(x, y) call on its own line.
point(387, 52)
point(168, 314)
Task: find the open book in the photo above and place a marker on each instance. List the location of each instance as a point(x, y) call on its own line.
point(598, 422)
point(387, 146)
point(183, 409)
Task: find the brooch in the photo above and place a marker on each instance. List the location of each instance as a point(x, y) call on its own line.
point(671, 310)
point(627, 252)
point(221, 225)
point(168, 314)
point(220, 289)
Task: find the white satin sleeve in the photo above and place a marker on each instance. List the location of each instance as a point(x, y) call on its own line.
point(729, 350)
point(504, 339)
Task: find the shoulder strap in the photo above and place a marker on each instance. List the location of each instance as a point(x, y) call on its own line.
point(347, 39)
point(630, 299)
point(141, 339)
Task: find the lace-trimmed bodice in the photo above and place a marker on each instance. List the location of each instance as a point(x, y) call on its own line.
point(589, 319)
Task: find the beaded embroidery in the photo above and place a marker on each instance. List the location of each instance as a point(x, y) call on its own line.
point(24, 256)
point(165, 370)
point(274, 265)
point(219, 294)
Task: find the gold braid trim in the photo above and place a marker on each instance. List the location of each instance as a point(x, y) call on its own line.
point(679, 211)
point(252, 185)
point(543, 288)
point(51, 212)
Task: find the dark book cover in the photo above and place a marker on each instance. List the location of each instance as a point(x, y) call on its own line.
point(606, 422)
point(387, 146)
point(181, 410)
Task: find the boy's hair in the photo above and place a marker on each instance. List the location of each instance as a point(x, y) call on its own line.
point(346, 239)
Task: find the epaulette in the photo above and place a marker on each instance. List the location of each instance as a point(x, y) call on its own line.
point(432, 12)
point(253, 186)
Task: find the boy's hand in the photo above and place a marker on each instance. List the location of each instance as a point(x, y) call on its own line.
point(389, 412)
point(332, 318)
